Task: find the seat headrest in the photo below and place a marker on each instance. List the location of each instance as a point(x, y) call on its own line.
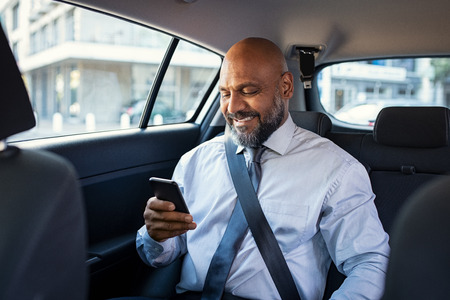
point(16, 113)
point(415, 127)
point(314, 121)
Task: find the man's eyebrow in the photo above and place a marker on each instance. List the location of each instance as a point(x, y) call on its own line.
point(240, 86)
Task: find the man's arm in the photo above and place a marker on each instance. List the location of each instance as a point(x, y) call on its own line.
point(355, 236)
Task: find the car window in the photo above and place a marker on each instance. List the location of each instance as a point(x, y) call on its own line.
point(88, 72)
point(190, 74)
point(355, 92)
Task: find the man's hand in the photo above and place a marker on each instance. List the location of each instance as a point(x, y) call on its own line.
point(163, 222)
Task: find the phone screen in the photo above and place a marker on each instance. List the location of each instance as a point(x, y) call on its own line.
point(168, 190)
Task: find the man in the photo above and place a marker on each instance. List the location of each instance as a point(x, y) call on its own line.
point(316, 197)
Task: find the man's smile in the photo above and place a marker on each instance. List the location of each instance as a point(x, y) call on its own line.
point(243, 121)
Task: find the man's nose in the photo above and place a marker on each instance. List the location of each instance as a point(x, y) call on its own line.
point(235, 103)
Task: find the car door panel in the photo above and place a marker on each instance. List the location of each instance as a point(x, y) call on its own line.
point(114, 168)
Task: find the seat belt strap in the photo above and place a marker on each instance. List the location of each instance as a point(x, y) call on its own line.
point(257, 222)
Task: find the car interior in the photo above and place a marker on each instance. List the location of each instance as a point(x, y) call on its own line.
point(81, 194)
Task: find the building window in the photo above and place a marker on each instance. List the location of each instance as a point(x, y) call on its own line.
point(15, 51)
point(15, 16)
point(70, 35)
point(44, 37)
point(33, 43)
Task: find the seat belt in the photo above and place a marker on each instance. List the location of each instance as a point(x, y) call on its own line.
point(257, 222)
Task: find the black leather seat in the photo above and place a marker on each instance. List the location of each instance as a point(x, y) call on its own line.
point(314, 121)
point(42, 222)
point(420, 246)
point(410, 146)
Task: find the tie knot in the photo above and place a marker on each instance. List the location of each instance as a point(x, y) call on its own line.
point(256, 153)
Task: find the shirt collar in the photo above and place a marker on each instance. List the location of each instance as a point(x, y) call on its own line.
point(280, 139)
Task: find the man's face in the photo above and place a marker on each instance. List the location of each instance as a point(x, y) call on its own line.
point(251, 103)
point(255, 137)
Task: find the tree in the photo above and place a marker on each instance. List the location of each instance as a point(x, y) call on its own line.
point(441, 69)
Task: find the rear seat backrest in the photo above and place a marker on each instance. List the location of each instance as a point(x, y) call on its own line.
point(316, 122)
point(405, 151)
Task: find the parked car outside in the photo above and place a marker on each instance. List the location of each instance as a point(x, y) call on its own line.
point(366, 113)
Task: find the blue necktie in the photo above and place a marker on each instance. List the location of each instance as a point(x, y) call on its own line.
point(231, 241)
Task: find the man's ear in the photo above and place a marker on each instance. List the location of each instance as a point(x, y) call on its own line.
point(287, 85)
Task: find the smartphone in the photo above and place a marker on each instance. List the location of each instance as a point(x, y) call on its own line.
point(168, 190)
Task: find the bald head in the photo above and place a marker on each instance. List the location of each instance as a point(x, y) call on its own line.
point(257, 52)
point(255, 87)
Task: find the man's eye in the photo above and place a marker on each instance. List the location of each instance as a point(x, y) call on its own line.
point(225, 95)
point(249, 92)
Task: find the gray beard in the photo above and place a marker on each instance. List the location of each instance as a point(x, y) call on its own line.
point(262, 131)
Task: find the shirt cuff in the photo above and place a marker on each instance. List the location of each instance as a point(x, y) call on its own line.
point(148, 249)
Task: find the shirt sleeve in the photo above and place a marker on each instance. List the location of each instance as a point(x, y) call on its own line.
point(158, 254)
point(354, 235)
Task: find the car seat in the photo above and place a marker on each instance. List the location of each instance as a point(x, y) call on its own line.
point(420, 246)
point(42, 222)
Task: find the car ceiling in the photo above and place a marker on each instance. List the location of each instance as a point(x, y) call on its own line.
point(346, 29)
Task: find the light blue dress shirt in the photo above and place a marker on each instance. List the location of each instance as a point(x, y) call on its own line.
point(318, 201)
